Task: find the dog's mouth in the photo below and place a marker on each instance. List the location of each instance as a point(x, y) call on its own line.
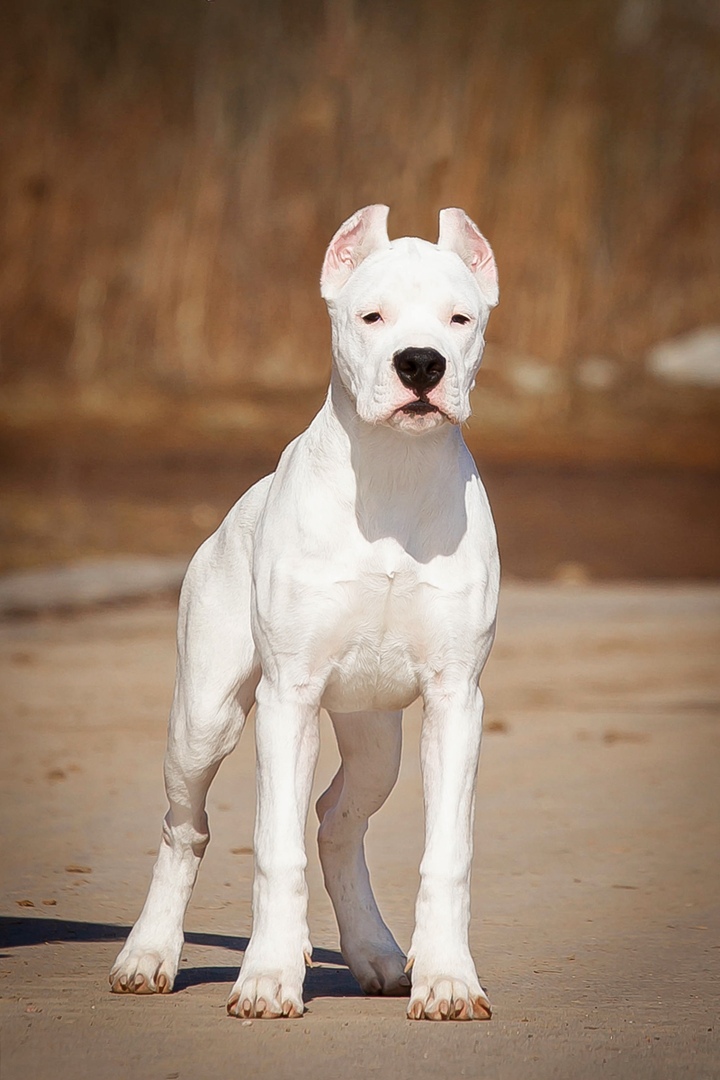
point(419, 408)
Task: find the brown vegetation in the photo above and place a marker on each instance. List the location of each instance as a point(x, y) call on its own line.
point(172, 172)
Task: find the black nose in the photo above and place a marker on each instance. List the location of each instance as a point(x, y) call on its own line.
point(419, 369)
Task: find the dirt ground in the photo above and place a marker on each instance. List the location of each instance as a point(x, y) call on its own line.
point(85, 491)
point(596, 925)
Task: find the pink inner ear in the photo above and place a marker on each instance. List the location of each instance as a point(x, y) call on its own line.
point(481, 258)
point(339, 263)
point(461, 235)
point(342, 252)
point(361, 234)
point(349, 245)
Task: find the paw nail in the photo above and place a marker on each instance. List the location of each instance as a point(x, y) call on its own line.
point(482, 1009)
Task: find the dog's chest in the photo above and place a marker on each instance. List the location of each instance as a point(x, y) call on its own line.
point(379, 640)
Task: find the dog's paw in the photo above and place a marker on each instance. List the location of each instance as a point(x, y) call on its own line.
point(145, 971)
point(445, 998)
point(265, 997)
point(380, 969)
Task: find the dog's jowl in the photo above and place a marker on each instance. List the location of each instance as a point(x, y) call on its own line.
point(361, 575)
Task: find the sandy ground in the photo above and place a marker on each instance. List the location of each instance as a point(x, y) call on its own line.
point(86, 492)
point(596, 885)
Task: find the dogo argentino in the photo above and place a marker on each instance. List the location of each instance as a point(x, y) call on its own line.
point(361, 575)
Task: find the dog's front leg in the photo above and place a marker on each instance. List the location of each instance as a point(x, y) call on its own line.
point(445, 985)
point(271, 978)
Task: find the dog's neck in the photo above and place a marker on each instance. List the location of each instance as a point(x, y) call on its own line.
point(400, 481)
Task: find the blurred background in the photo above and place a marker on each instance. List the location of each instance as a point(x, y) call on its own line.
point(172, 170)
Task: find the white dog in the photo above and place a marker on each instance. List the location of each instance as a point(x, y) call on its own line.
point(361, 575)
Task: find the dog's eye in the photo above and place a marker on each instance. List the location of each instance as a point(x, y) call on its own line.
point(372, 316)
point(460, 319)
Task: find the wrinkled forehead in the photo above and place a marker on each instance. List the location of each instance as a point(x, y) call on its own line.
point(412, 271)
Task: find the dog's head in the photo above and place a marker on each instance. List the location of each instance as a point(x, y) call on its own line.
point(408, 317)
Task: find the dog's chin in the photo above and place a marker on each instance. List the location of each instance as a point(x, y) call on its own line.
point(417, 417)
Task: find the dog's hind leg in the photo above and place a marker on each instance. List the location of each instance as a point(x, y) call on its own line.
point(214, 691)
point(369, 745)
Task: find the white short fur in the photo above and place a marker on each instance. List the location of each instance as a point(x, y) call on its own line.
point(361, 575)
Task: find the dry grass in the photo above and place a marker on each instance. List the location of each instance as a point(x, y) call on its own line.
point(172, 171)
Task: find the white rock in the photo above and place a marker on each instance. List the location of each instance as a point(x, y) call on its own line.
point(693, 359)
point(532, 376)
point(597, 373)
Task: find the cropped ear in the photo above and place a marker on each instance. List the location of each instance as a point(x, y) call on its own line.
point(361, 234)
point(461, 235)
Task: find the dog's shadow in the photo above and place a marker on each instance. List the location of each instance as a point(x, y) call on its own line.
point(331, 978)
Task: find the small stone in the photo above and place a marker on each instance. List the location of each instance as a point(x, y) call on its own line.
point(496, 727)
point(571, 573)
point(693, 359)
point(531, 376)
point(597, 373)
